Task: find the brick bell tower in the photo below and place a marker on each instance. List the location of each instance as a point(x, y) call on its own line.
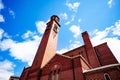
point(46, 49)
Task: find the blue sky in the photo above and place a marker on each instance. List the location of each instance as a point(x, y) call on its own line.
point(22, 23)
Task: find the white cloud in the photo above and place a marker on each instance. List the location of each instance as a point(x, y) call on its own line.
point(64, 16)
point(75, 44)
point(110, 3)
point(72, 45)
point(28, 34)
point(6, 69)
point(1, 33)
point(12, 13)
point(19, 50)
point(99, 35)
point(72, 19)
point(40, 26)
point(79, 20)
point(73, 6)
point(6, 35)
point(113, 42)
point(116, 29)
point(76, 30)
point(67, 23)
point(1, 5)
point(62, 50)
point(2, 18)
point(24, 51)
point(6, 44)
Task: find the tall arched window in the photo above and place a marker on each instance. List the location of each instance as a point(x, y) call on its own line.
point(54, 75)
point(106, 76)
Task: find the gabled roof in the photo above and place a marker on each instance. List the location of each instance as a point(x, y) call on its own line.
point(63, 56)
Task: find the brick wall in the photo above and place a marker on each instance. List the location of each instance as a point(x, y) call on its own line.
point(113, 72)
point(105, 55)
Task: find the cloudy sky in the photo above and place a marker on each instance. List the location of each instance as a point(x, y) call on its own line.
point(22, 24)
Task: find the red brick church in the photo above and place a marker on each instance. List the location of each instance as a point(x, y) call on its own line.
point(83, 63)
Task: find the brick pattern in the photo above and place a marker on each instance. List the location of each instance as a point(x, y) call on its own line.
point(99, 75)
point(105, 55)
point(71, 64)
point(92, 57)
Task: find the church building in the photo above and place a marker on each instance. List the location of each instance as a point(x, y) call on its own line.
point(86, 62)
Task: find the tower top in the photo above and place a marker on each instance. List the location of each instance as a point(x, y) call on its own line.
point(55, 17)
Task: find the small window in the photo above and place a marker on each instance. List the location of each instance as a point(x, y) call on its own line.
point(55, 29)
point(106, 76)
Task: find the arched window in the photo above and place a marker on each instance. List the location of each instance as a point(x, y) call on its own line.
point(54, 75)
point(106, 76)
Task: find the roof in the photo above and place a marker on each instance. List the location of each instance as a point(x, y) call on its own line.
point(101, 68)
point(72, 50)
point(15, 77)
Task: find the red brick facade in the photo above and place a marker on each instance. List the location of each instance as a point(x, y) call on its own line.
point(83, 63)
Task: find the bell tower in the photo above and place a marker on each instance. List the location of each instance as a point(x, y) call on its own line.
point(47, 47)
